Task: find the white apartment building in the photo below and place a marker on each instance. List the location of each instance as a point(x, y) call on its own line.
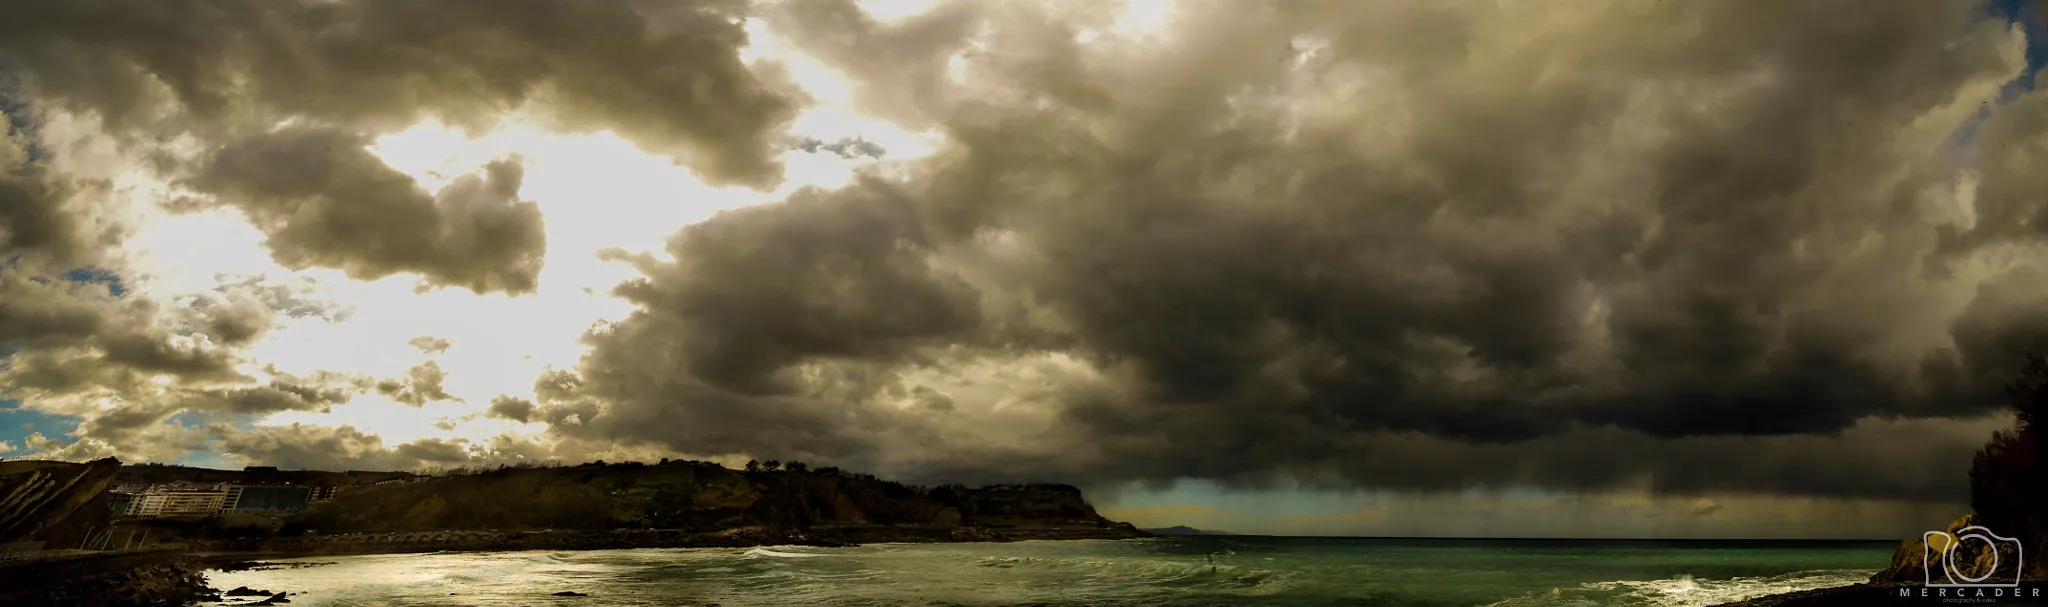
point(174, 504)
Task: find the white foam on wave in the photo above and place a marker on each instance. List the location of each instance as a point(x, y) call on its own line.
point(778, 554)
point(1684, 591)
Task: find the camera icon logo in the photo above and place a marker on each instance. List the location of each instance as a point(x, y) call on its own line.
point(1958, 574)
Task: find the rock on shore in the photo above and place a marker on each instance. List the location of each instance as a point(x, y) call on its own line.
point(1973, 559)
point(175, 583)
point(1903, 582)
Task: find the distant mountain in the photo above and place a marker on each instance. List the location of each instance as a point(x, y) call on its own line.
point(1185, 530)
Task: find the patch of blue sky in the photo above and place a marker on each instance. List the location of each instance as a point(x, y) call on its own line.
point(98, 276)
point(18, 121)
point(17, 422)
point(2025, 15)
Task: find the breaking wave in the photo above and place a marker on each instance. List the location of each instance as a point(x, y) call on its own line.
point(1162, 573)
point(1684, 591)
point(764, 552)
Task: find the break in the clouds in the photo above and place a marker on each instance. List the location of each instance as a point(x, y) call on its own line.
point(665, 74)
point(1685, 247)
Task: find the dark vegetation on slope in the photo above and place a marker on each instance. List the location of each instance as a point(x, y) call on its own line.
point(2008, 482)
point(692, 496)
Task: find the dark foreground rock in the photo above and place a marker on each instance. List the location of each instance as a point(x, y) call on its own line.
point(142, 585)
point(1977, 556)
point(234, 566)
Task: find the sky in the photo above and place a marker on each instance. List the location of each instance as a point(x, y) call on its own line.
point(1627, 268)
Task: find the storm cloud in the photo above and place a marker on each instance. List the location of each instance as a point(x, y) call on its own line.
point(40, 210)
point(1377, 244)
point(668, 75)
point(1683, 247)
point(326, 201)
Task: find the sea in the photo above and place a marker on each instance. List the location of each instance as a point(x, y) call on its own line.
point(1166, 571)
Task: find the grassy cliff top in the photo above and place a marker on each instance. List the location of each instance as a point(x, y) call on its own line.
point(688, 495)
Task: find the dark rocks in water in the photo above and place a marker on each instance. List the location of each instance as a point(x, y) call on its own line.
point(569, 593)
point(275, 599)
point(247, 591)
point(231, 567)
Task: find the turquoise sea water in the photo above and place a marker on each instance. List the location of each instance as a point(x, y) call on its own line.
point(1191, 571)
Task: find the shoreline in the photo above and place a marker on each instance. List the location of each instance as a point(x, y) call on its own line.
point(212, 557)
point(2029, 592)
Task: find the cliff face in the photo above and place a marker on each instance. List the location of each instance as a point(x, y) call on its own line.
point(697, 497)
point(59, 505)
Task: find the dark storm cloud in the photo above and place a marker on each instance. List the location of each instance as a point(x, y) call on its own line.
point(1422, 245)
point(851, 264)
point(40, 211)
point(324, 200)
point(665, 75)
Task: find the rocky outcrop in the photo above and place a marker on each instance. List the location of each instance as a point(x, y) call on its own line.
point(1973, 557)
point(56, 505)
point(104, 580)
